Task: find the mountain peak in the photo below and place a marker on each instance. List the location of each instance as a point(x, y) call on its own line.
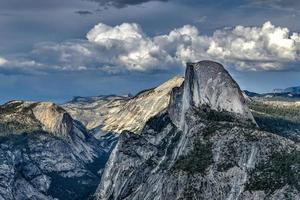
point(53, 118)
point(26, 116)
point(207, 83)
point(207, 65)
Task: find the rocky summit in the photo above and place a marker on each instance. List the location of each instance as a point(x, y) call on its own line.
point(204, 145)
point(19, 116)
point(208, 84)
point(45, 154)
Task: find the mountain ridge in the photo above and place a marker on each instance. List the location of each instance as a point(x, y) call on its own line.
point(118, 113)
point(193, 151)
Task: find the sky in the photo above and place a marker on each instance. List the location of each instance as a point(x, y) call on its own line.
point(53, 50)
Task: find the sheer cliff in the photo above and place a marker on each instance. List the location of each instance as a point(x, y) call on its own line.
point(204, 145)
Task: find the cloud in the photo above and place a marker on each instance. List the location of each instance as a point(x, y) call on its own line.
point(247, 48)
point(84, 12)
point(109, 49)
point(2, 61)
point(23, 66)
point(126, 48)
point(122, 3)
point(130, 46)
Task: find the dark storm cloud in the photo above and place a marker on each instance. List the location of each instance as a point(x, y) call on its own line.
point(123, 3)
point(33, 4)
point(84, 12)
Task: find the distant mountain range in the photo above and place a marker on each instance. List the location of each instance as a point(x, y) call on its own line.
point(292, 90)
point(291, 93)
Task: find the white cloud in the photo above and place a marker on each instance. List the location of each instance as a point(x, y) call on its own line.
point(252, 48)
point(133, 49)
point(127, 48)
point(3, 61)
point(22, 66)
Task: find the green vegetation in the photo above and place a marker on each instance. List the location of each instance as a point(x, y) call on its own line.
point(72, 188)
point(9, 107)
point(197, 160)
point(230, 156)
point(16, 119)
point(15, 127)
point(284, 121)
point(205, 112)
point(278, 125)
point(281, 169)
point(191, 193)
point(210, 129)
point(291, 113)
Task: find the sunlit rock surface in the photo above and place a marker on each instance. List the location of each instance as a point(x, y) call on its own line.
point(20, 116)
point(117, 113)
point(92, 111)
point(53, 118)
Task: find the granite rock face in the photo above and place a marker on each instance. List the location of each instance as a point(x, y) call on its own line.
point(205, 145)
point(53, 118)
point(45, 154)
point(19, 116)
point(119, 113)
point(208, 84)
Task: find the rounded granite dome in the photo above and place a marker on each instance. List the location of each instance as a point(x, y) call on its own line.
point(208, 83)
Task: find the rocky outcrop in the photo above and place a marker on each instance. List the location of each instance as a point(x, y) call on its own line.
point(208, 84)
point(21, 116)
point(133, 115)
point(205, 145)
point(45, 154)
point(53, 118)
point(116, 114)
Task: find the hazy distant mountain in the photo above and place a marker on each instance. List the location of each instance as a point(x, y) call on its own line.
point(251, 94)
point(294, 90)
point(276, 96)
